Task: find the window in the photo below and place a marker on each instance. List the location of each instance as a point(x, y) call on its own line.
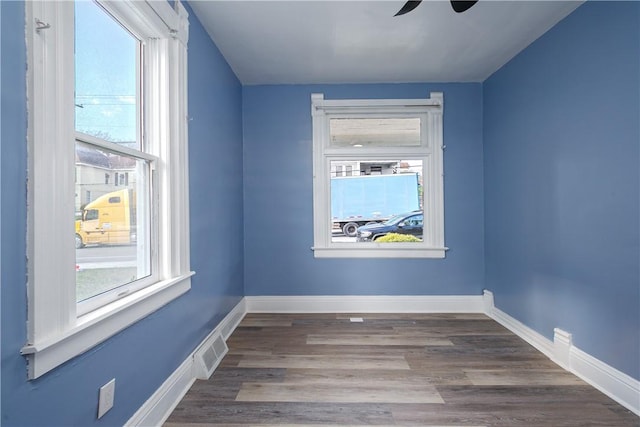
point(392, 153)
point(107, 95)
point(90, 214)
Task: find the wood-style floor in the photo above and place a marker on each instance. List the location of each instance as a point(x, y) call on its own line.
point(409, 370)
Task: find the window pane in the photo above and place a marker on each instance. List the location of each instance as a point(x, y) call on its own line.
point(375, 132)
point(381, 197)
point(106, 63)
point(113, 221)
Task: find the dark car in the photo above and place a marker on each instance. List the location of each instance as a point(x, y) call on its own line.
point(408, 223)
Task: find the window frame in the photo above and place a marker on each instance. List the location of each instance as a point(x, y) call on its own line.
point(56, 330)
point(430, 151)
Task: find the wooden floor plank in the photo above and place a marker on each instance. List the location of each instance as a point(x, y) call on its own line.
point(390, 370)
point(280, 413)
point(529, 377)
point(264, 322)
point(522, 414)
point(387, 376)
point(576, 394)
point(338, 392)
point(377, 340)
point(344, 350)
point(325, 362)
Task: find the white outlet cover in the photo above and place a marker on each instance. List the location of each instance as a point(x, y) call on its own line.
point(107, 394)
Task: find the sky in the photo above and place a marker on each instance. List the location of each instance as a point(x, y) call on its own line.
point(105, 75)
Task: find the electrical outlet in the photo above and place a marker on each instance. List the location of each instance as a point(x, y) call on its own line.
point(107, 394)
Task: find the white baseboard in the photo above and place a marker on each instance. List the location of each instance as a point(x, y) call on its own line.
point(540, 342)
point(366, 304)
point(156, 410)
point(159, 406)
point(617, 385)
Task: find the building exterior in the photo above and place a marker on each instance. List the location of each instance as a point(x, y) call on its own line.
point(99, 172)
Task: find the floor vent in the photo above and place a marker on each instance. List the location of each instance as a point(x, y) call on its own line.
point(209, 356)
point(231, 325)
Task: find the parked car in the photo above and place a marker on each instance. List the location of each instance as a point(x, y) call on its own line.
point(407, 223)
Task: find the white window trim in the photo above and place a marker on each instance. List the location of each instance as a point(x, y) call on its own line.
point(431, 153)
point(55, 332)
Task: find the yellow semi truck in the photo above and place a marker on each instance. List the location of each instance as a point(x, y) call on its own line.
point(108, 220)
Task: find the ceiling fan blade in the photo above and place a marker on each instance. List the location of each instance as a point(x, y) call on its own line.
point(461, 6)
point(408, 7)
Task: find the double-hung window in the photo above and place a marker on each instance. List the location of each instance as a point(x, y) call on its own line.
point(108, 232)
point(390, 204)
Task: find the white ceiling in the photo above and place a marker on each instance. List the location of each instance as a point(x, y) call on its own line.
point(292, 42)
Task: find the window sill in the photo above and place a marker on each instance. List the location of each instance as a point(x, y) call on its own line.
point(97, 326)
point(379, 252)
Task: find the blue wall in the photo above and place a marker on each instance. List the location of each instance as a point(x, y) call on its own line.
point(141, 357)
point(278, 199)
point(561, 138)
